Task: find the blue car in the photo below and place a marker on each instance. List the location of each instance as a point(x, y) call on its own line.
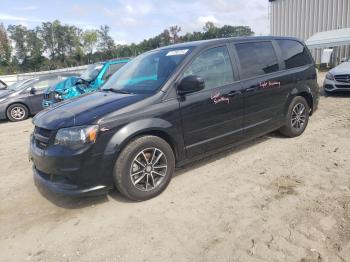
point(91, 80)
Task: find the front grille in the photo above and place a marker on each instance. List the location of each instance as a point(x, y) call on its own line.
point(342, 78)
point(43, 137)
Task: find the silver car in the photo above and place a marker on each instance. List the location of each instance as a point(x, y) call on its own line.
point(338, 78)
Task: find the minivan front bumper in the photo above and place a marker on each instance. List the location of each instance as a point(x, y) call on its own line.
point(72, 174)
point(45, 181)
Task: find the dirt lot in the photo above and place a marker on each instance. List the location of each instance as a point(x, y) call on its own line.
point(273, 199)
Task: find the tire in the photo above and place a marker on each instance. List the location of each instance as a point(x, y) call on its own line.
point(17, 112)
point(137, 180)
point(298, 111)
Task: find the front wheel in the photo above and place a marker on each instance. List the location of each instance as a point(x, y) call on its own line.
point(17, 112)
point(297, 117)
point(144, 168)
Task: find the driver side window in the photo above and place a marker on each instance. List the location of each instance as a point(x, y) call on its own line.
point(213, 66)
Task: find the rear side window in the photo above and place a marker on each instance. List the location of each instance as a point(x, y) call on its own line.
point(294, 54)
point(256, 59)
point(214, 66)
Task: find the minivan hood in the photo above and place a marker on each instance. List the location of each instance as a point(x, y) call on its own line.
point(342, 69)
point(84, 110)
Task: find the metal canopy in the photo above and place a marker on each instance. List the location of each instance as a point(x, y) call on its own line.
point(331, 38)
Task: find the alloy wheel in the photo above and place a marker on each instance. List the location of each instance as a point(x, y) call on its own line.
point(18, 113)
point(148, 169)
point(298, 118)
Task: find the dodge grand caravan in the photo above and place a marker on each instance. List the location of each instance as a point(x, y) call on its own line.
point(170, 106)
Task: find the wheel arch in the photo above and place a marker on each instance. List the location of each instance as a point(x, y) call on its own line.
point(154, 126)
point(309, 99)
point(303, 91)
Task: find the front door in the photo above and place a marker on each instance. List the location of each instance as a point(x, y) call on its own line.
point(212, 118)
point(36, 98)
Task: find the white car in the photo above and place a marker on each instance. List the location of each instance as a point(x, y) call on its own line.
point(338, 78)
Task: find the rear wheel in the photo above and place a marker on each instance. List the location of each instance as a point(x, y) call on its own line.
point(144, 168)
point(297, 117)
point(17, 112)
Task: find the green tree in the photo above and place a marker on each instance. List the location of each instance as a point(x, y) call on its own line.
point(210, 31)
point(55, 45)
point(18, 35)
point(234, 31)
point(62, 39)
point(48, 38)
point(174, 34)
point(75, 47)
point(106, 43)
point(5, 48)
point(90, 41)
point(165, 38)
point(35, 49)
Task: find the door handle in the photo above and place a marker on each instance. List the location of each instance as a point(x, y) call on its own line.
point(250, 89)
point(233, 93)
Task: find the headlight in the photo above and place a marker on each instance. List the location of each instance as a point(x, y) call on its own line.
point(76, 137)
point(330, 76)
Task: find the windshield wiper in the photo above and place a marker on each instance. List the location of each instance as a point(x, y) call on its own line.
point(116, 91)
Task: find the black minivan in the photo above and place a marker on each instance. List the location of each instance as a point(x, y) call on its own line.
point(169, 106)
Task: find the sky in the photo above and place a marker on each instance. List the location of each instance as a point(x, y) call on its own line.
point(131, 21)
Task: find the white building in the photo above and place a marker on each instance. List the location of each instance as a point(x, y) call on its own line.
point(304, 18)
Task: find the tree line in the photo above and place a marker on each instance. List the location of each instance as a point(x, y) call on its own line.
point(54, 45)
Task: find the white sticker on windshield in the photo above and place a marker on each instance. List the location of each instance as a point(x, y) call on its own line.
point(177, 52)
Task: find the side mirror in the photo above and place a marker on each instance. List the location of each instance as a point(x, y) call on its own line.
point(190, 84)
point(32, 91)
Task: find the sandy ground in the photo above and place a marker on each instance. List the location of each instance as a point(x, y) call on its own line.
point(273, 199)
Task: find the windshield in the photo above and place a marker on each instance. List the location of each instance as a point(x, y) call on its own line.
point(91, 72)
point(18, 85)
point(148, 72)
